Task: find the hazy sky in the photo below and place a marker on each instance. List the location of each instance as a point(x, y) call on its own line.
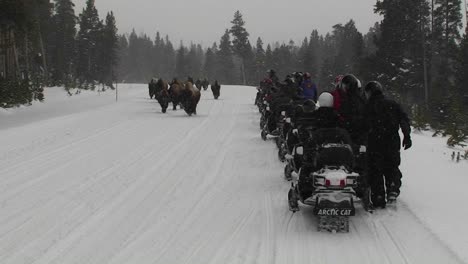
point(204, 21)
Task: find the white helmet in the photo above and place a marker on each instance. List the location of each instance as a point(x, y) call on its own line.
point(325, 100)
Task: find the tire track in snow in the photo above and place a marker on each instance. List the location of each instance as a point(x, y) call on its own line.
point(116, 203)
point(54, 206)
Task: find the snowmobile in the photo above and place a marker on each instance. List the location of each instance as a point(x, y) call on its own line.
point(326, 180)
point(274, 122)
point(300, 132)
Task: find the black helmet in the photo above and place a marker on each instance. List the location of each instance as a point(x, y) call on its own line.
point(309, 106)
point(271, 71)
point(350, 83)
point(373, 88)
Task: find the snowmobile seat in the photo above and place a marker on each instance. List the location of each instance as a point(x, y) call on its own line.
point(335, 155)
point(333, 147)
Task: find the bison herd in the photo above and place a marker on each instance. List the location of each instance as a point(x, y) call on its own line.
point(185, 94)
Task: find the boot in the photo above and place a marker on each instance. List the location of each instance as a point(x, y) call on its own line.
point(378, 201)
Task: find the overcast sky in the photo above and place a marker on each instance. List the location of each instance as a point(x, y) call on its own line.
point(204, 21)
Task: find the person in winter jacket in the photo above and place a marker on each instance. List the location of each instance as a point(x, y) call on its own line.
point(326, 125)
point(338, 93)
point(326, 116)
point(272, 76)
point(309, 88)
point(352, 109)
point(385, 118)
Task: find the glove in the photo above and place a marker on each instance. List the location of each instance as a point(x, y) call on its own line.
point(407, 143)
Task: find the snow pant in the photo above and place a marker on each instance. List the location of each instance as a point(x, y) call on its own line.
point(361, 167)
point(384, 172)
point(291, 141)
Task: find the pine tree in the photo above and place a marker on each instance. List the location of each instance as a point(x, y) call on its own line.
point(157, 55)
point(462, 71)
point(210, 64)
point(122, 69)
point(64, 42)
point(225, 60)
point(260, 60)
point(108, 52)
point(401, 47)
point(87, 44)
point(181, 69)
point(447, 23)
point(269, 60)
point(240, 42)
point(169, 61)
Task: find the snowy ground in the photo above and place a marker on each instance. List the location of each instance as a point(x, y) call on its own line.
point(86, 180)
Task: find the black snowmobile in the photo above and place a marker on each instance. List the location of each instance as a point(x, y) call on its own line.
point(327, 180)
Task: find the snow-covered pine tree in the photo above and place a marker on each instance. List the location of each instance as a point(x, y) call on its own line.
point(400, 56)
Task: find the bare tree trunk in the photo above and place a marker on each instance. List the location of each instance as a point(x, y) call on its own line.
point(26, 54)
point(41, 45)
point(15, 54)
point(423, 40)
point(3, 53)
point(243, 72)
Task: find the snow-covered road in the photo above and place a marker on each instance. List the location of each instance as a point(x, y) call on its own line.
point(124, 183)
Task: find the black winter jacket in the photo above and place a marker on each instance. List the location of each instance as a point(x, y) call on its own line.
point(353, 114)
point(385, 118)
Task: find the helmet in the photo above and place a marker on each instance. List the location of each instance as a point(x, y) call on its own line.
point(309, 106)
point(325, 100)
point(307, 75)
point(271, 71)
point(289, 79)
point(309, 102)
point(373, 88)
point(350, 83)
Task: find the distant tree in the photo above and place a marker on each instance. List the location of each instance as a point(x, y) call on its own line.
point(225, 60)
point(260, 60)
point(240, 42)
point(87, 44)
point(181, 70)
point(210, 64)
point(108, 53)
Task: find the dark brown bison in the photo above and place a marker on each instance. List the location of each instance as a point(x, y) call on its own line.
point(162, 94)
point(205, 84)
point(198, 84)
point(190, 98)
point(175, 93)
point(215, 88)
point(151, 87)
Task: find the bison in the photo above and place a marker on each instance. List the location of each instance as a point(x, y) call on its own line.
point(198, 84)
point(215, 88)
point(190, 98)
point(162, 94)
point(151, 87)
point(205, 84)
point(175, 93)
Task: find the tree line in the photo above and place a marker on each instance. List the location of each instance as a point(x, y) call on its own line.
point(417, 52)
point(40, 45)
